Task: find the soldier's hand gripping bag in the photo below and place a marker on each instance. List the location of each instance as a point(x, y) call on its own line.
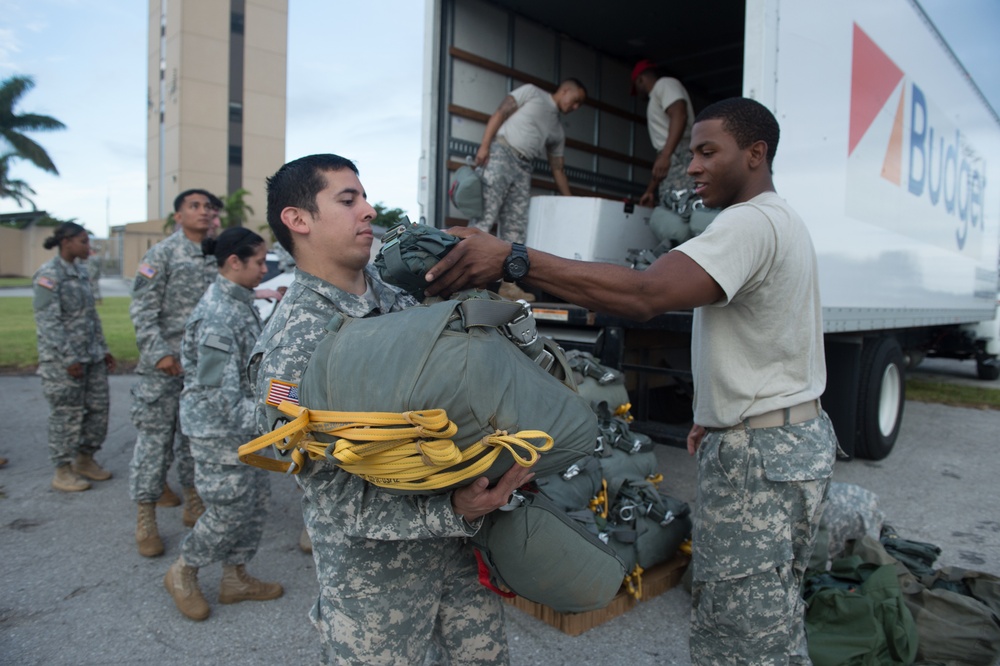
point(538, 552)
point(427, 357)
point(410, 250)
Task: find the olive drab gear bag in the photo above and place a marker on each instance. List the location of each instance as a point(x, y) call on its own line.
point(574, 487)
point(537, 551)
point(598, 383)
point(647, 524)
point(466, 191)
point(856, 615)
point(429, 399)
point(410, 250)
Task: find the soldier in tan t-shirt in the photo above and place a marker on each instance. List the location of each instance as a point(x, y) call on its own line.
point(765, 447)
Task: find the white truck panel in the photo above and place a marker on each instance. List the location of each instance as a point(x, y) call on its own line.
point(854, 158)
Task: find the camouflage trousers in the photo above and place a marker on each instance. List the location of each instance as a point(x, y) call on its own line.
point(399, 602)
point(78, 421)
point(506, 194)
point(677, 179)
point(760, 498)
point(236, 498)
point(155, 405)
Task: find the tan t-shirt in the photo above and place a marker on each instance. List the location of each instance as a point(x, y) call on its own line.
point(665, 92)
point(534, 129)
point(761, 347)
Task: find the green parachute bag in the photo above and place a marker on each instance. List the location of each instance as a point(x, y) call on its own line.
point(450, 356)
point(538, 552)
point(574, 487)
point(410, 250)
point(598, 383)
point(649, 523)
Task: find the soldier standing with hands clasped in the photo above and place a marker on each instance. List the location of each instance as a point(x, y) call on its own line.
point(73, 360)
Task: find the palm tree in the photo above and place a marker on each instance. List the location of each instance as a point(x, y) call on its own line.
point(235, 210)
point(13, 125)
point(15, 189)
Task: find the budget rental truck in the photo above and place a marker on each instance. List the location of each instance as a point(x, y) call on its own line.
point(888, 150)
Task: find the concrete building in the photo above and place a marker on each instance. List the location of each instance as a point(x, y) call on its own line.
point(216, 99)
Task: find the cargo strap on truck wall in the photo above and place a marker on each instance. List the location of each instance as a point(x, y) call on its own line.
point(406, 450)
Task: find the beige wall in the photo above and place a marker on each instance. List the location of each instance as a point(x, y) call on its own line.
point(134, 239)
point(193, 151)
point(21, 250)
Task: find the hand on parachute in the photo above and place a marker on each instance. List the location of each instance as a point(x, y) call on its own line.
point(477, 500)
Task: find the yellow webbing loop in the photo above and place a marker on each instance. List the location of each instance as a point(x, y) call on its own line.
point(405, 451)
point(686, 547)
point(633, 583)
point(655, 478)
point(599, 503)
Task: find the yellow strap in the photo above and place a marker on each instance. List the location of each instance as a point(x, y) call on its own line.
point(655, 478)
point(406, 451)
point(622, 411)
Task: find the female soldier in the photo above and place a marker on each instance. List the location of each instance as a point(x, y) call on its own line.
point(216, 413)
point(73, 360)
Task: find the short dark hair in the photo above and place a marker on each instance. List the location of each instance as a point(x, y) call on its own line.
point(747, 120)
point(62, 232)
point(297, 184)
point(179, 199)
point(235, 240)
point(573, 81)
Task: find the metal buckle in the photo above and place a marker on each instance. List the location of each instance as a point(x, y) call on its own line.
point(570, 472)
point(516, 499)
point(521, 329)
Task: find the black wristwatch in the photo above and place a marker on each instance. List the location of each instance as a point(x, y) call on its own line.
point(516, 265)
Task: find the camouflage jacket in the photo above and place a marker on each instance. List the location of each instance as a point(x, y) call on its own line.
point(172, 277)
point(69, 330)
point(217, 400)
point(276, 368)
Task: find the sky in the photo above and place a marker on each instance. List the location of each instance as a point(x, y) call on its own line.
point(354, 87)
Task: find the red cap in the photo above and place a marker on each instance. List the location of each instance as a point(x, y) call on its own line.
point(640, 67)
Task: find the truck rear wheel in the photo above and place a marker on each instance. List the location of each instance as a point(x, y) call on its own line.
point(988, 369)
point(881, 396)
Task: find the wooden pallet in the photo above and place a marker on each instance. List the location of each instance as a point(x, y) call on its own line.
point(655, 582)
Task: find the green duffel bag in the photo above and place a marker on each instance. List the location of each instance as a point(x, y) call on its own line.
point(669, 226)
point(701, 217)
point(538, 552)
point(466, 191)
point(575, 486)
point(598, 383)
point(652, 523)
point(624, 455)
point(410, 250)
point(447, 358)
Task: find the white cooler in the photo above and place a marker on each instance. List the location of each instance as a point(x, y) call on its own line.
point(588, 228)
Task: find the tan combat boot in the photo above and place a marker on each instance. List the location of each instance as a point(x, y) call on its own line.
point(512, 292)
point(168, 498)
point(305, 543)
point(193, 507)
point(181, 582)
point(68, 481)
point(85, 465)
point(147, 536)
point(237, 585)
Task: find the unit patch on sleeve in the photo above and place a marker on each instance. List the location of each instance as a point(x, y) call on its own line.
point(45, 282)
point(278, 391)
point(147, 271)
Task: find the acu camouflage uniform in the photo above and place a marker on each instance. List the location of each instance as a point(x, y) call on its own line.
point(69, 331)
point(506, 193)
point(760, 499)
point(171, 279)
point(217, 413)
point(396, 573)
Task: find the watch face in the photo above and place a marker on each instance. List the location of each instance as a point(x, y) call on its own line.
point(516, 268)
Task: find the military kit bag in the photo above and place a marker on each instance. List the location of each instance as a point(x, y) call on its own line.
point(429, 399)
point(540, 553)
point(647, 527)
point(466, 191)
point(598, 383)
point(574, 487)
point(410, 250)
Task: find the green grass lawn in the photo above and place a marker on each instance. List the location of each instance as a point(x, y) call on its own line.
point(15, 282)
point(17, 330)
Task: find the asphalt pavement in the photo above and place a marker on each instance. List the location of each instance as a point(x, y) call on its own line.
point(74, 591)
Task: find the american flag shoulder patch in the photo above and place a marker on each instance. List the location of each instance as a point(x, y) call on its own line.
point(147, 271)
point(48, 283)
point(278, 391)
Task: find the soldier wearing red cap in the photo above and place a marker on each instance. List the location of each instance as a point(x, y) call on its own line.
point(669, 117)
